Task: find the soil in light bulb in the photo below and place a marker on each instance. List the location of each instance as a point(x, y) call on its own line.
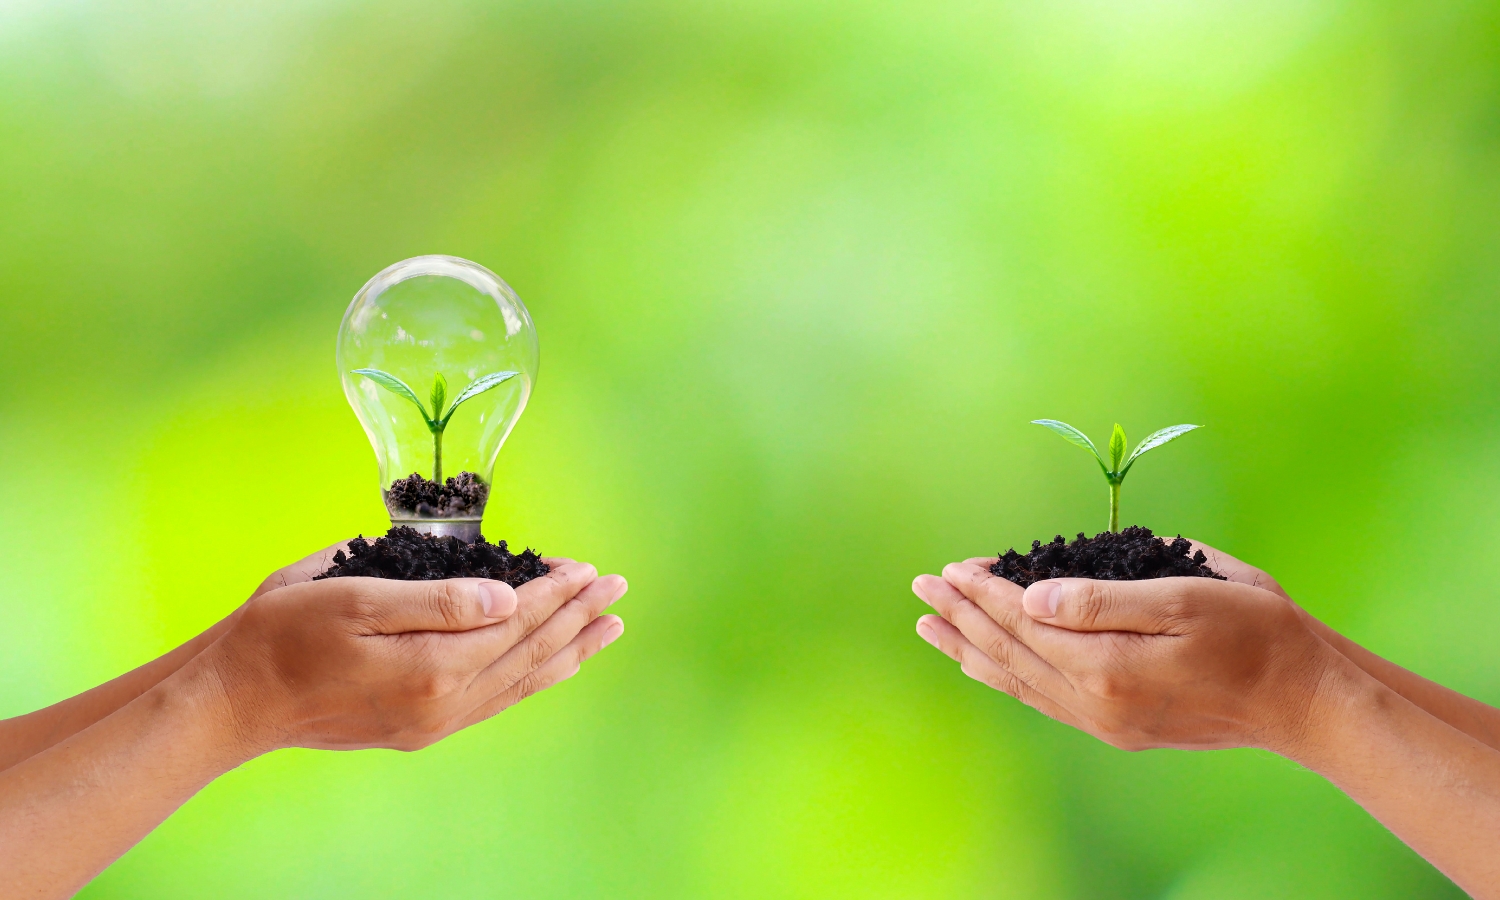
point(459, 497)
point(1133, 554)
point(406, 554)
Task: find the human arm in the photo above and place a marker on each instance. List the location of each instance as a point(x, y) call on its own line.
point(1477, 719)
point(24, 736)
point(1199, 664)
point(346, 663)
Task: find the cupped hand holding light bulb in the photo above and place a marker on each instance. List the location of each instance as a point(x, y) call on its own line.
point(368, 662)
point(344, 663)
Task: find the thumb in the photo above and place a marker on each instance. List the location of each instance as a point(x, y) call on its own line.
point(1083, 604)
point(454, 604)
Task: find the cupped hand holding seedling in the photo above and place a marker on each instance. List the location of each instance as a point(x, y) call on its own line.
point(438, 420)
point(1119, 464)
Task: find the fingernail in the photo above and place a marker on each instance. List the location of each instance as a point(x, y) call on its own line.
point(497, 598)
point(919, 587)
point(925, 631)
point(1042, 598)
point(613, 632)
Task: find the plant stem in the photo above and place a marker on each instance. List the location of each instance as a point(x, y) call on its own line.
point(1114, 505)
point(437, 457)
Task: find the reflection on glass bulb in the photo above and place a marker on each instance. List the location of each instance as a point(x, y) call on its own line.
point(438, 357)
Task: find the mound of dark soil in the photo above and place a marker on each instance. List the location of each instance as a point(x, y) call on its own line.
point(406, 554)
point(458, 497)
point(1131, 555)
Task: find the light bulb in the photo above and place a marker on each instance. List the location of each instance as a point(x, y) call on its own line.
point(438, 357)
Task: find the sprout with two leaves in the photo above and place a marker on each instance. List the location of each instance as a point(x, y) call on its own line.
point(438, 420)
point(1119, 464)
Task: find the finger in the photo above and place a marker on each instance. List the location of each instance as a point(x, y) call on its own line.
point(555, 561)
point(1237, 571)
point(562, 665)
point(538, 601)
point(381, 606)
point(1151, 606)
point(539, 598)
point(978, 665)
point(502, 660)
point(984, 561)
point(1072, 654)
point(985, 633)
point(1000, 598)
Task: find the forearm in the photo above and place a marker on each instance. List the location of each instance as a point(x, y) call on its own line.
point(25, 736)
point(1478, 720)
point(1435, 787)
point(69, 811)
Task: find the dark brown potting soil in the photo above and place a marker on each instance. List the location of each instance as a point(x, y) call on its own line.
point(458, 497)
point(406, 554)
point(1130, 555)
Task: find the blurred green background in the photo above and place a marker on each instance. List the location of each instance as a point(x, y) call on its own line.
point(802, 272)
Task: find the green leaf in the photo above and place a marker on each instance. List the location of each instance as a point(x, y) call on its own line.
point(1073, 436)
point(439, 394)
point(1116, 448)
point(395, 386)
point(477, 387)
point(1156, 439)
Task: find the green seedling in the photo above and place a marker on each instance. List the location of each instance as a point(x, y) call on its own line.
point(439, 419)
point(1119, 464)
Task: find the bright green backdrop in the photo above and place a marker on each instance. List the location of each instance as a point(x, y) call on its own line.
point(802, 271)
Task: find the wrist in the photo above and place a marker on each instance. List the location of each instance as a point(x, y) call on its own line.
point(1334, 695)
point(229, 720)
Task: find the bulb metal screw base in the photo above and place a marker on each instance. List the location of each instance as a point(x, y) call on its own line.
point(466, 530)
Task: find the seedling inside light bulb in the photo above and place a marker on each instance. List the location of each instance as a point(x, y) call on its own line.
point(437, 421)
point(1119, 464)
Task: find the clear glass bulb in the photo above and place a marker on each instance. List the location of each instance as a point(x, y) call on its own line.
point(438, 357)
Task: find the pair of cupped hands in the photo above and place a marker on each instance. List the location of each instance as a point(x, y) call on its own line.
point(352, 663)
point(1187, 663)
